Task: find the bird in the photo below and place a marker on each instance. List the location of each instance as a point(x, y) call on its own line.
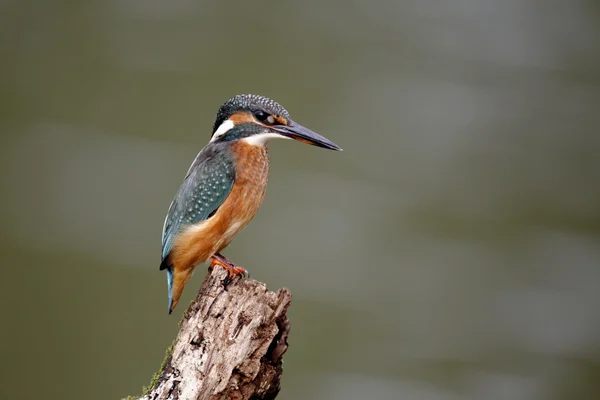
point(224, 187)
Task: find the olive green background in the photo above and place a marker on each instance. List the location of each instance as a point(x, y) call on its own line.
point(450, 252)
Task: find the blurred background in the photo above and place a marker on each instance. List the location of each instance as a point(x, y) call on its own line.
point(452, 251)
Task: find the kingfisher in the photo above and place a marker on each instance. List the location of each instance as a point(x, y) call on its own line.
point(224, 187)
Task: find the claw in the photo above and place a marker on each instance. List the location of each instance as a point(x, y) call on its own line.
point(231, 268)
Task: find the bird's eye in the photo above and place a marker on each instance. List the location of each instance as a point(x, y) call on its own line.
point(261, 115)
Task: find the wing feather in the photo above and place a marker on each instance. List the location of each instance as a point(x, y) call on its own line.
point(205, 187)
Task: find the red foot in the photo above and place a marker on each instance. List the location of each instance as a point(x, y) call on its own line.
point(233, 269)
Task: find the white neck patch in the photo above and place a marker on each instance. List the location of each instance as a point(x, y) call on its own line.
point(261, 139)
point(223, 129)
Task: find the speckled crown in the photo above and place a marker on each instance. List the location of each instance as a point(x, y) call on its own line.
point(251, 102)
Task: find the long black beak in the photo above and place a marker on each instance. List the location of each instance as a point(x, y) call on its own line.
point(302, 134)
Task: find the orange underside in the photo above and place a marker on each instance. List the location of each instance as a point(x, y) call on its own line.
point(200, 242)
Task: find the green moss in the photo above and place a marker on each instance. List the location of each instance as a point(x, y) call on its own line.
point(155, 378)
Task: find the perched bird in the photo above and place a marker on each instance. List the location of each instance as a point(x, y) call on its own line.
point(225, 187)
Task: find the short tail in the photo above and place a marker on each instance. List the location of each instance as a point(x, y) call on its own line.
point(169, 271)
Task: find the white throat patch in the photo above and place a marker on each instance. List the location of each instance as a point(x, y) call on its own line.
point(261, 139)
point(223, 129)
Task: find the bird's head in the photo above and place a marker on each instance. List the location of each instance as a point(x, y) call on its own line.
point(257, 119)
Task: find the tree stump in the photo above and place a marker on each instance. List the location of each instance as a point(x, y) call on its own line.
point(230, 343)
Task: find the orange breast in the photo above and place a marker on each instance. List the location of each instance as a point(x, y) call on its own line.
point(199, 242)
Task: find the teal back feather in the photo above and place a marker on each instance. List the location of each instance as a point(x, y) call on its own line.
point(205, 187)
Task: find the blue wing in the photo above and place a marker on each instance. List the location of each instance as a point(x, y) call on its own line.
point(205, 187)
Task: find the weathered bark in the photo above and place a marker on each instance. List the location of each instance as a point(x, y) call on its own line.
point(230, 343)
